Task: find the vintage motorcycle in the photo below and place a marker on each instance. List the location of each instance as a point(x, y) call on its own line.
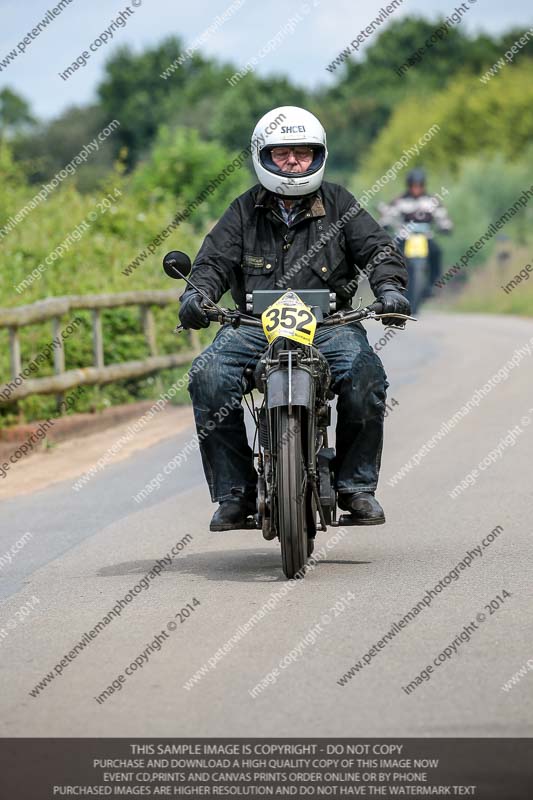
point(294, 462)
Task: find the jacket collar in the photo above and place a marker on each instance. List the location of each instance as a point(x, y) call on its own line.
point(311, 202)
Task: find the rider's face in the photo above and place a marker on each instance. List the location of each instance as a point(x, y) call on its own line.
point(417, 189)
point(292, 159)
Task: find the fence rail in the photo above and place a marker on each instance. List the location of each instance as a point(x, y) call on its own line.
point(99, 373)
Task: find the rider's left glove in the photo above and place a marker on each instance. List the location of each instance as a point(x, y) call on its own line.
point(394, 301)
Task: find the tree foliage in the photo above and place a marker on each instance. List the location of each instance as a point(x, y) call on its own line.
point(180, 167)
point(474, 119)
point(15, 114)
point(198, 95)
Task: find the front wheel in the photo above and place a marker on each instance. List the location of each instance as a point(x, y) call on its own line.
point(291, 493)
point(417, 269)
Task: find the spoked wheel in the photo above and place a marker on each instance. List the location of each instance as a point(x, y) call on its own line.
point(291, 493)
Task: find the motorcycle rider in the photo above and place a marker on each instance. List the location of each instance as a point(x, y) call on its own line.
point(287, 232)
point(416, 205)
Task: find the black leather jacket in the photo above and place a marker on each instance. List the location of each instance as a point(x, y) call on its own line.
point(330, 243)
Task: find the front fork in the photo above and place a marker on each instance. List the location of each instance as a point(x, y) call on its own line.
point(315, 419)
point(315, 438)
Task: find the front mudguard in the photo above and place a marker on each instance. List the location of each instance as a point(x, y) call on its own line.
point(301, 380)
point(295, 388)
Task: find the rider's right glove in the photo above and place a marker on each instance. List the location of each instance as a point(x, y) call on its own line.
point(394, 301)
point(191, 314)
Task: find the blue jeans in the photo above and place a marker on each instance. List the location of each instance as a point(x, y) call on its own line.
point(216, 388)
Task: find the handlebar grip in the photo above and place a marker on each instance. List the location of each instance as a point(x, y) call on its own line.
point(212, 314)
point(376, 306)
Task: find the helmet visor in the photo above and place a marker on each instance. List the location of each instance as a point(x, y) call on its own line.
point(319, 153)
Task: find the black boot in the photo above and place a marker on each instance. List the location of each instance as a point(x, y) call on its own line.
point(233, 515)
point(363, 507)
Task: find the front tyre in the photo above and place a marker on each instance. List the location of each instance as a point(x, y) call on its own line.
point(417, 269)
point(291, 492)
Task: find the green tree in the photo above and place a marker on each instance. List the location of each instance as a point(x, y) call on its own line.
point(196, 94)
point(134, 92)
point(474, 118)
point(241, 106)
point(15, 114)
point(181, 166)
point(368, 90)
point(50, 146)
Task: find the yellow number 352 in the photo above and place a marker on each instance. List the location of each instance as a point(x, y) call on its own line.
point(290, 317)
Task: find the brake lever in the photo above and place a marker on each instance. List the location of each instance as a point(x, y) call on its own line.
point(373, 315)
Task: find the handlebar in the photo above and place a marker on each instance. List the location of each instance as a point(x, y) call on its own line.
point(236, 317)
point(239, 318)
point(353, 316)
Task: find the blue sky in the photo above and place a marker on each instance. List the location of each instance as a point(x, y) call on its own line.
point(321, 32)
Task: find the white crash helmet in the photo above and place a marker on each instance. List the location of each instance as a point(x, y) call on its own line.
point(290, 126)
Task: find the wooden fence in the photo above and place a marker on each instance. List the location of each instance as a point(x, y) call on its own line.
point(54, 309)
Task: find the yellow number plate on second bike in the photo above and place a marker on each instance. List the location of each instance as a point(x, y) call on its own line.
point(290, 317)
point(417, 246)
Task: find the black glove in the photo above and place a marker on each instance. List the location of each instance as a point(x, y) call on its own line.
point(394, 301)
point(191, 313)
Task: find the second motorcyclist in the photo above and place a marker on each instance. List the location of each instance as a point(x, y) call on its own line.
point(416, 205)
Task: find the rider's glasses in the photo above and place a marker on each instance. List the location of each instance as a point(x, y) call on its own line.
point(300, 153)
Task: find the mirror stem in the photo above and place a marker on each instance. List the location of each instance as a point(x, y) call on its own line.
point(197, 289)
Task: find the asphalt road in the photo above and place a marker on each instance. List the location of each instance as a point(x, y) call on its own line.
point(89, 548)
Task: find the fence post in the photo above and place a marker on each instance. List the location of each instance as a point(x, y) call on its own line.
point(14, 357)
point(14, 352)
point(147, 318)
point(98, 339)
point(59, 357)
